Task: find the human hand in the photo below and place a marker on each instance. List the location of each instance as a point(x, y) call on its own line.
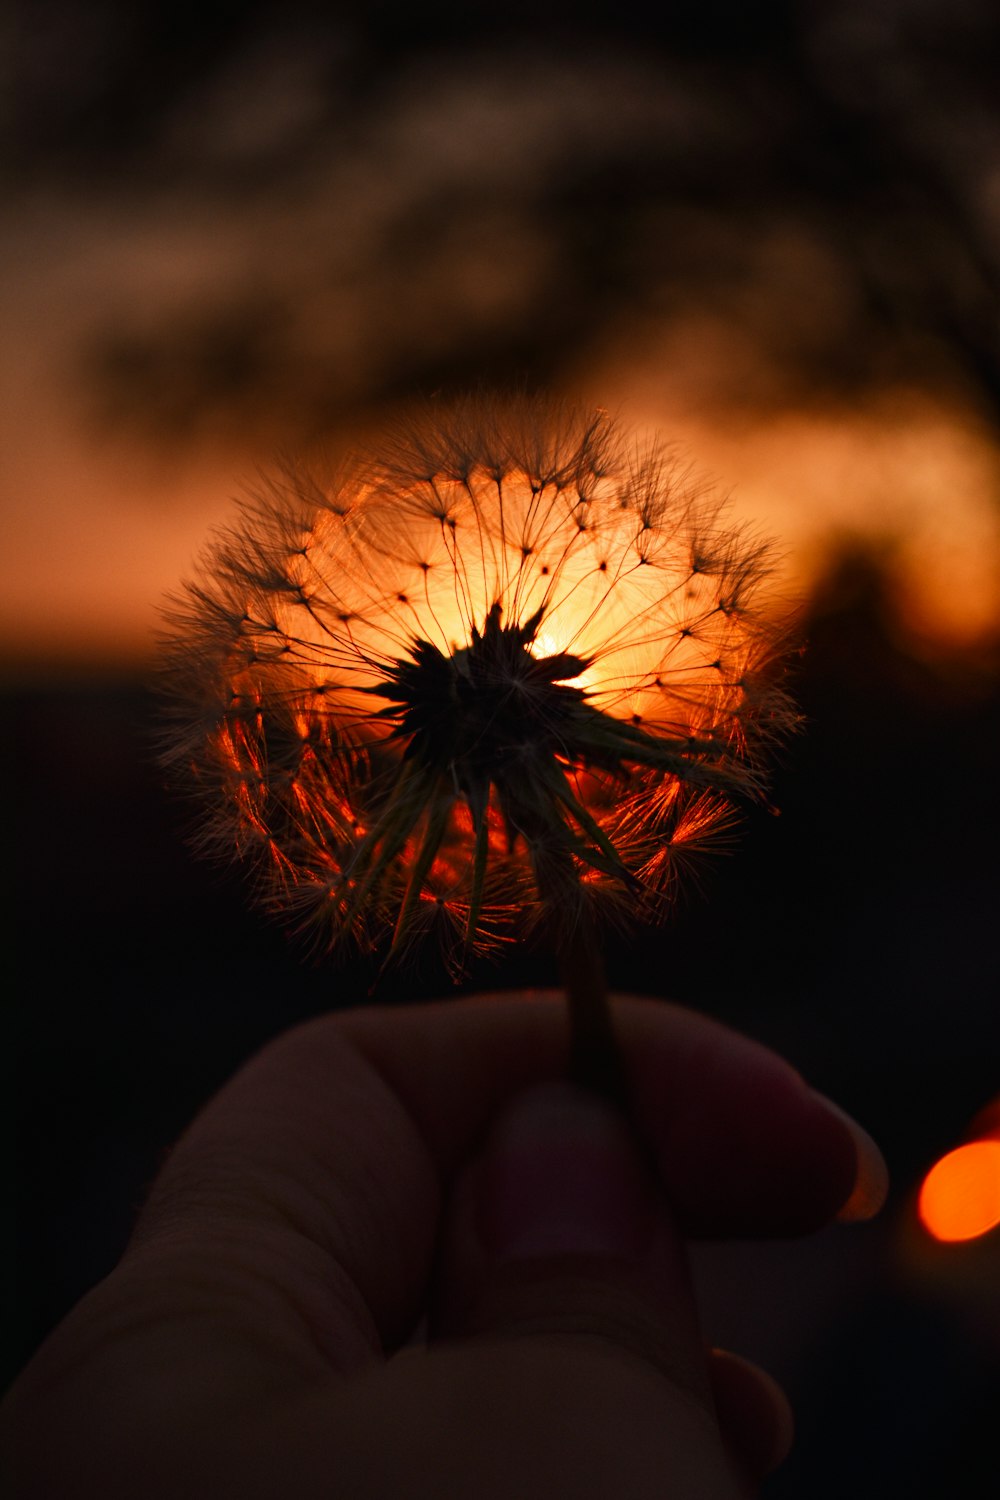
point(377, 1168)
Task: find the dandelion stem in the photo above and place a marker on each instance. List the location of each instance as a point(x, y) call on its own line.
point(595, 1060)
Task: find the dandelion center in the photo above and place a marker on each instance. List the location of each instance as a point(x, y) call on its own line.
point(481, 711)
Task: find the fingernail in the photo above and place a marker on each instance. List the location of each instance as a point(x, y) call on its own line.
point(871, 1182)
point(562, 1176)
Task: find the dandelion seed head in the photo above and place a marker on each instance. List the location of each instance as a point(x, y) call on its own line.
point(504, 663)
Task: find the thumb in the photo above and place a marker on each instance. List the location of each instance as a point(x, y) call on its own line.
point(558, 1228)
point(558, 1233)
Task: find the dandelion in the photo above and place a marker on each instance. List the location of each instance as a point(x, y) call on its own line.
point(504, 666)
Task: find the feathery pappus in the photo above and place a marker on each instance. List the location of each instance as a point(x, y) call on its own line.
point(502, 664)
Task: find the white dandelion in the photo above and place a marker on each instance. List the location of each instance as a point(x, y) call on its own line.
point(502, 665)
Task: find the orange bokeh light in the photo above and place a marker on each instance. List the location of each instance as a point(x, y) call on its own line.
point(960, 1196)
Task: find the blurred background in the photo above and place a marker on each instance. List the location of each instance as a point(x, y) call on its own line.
point(771, 234)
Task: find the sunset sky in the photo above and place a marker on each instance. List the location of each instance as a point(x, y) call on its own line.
point(98, 524)
point(267, 254)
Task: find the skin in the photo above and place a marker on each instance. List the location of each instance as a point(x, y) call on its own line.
point(379, 1171)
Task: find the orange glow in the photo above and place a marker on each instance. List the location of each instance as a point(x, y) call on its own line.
point(122, 525)
point(905, 467)
point(960, 1197)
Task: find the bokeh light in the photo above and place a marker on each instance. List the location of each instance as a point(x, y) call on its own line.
point(960, 1196)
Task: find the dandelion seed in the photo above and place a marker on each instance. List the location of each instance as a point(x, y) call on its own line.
point(504, 666)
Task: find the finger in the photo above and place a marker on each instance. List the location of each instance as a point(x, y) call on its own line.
point(753, 1413)
point(571, 1365)
point(296, 1221)
point(341, 1139)
point(559, 1230)
point(558, 1233)
point(742, 1145)
point(293, 1229)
